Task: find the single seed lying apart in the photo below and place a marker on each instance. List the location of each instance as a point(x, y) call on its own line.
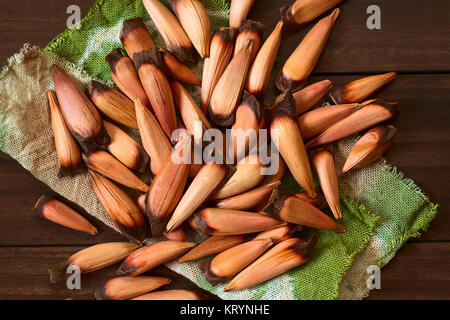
point(369, 147)
point(60, 213)
point(124, 288)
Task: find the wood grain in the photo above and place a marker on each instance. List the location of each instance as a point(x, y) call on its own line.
point(24, 275)
point(413, 37)
point(413, 41)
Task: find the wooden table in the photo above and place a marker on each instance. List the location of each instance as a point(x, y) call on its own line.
point(413, 41)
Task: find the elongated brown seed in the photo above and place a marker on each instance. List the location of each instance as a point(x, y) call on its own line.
point(249, 30)
point(170, 29)
point(228, 91)
point(216, 221)
point(177, 69)
point(325, 166)
point(366, 117)
point(113, 104)
point(369, 147)
point(283, 257)
point(101, 255)
point(239, 10)
point(285, 134)
point(166, 190)
point(221, 48)
point(154, 140)
point(126, 77)
point(67, 149)
point(156, 85)
point(190, 112)
point(292, 209)
point(302, 61)
point(304, 11)
point(316, 121)
point(248, 174)
point(247, 200)
point(309, 96)
point(120, 208)
point(212, 245)
point(205, 182)
point(170, 295)
point(153, 255)
point(261, 69)
point(194, 19)
point(228, 263)
point(94, 258)
point(124, 288)
point(126, 149)
point(105, 164)
point(60, 213)
point(80, 115)
point(135, 37)
point(358, 90)
point(244, 132)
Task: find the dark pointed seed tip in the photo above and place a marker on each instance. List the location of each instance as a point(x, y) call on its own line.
point(93, 143)
point(185, 55)
point(304, 248)
point(252, 26)
point(97, 87)
point(288, 19)
point(226, 34)
point(113, 58)
point(200, 224)
point(283, 83)
point(125, 269)
point(152, 56)
point(129, 25)
point(157, 225)
point(387, 132)
point(40, 203)
point(250, 100)
point(284, 106)
point(136, 234)
point(391, 107)
point(222, 119)
point(71, 171)
point(204, 267)
point(100, 294)
point(276, 204)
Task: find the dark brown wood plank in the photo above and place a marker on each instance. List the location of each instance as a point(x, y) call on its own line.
point(413, 36)
point(24, 275)
point(36, 22)
point(418, 271)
